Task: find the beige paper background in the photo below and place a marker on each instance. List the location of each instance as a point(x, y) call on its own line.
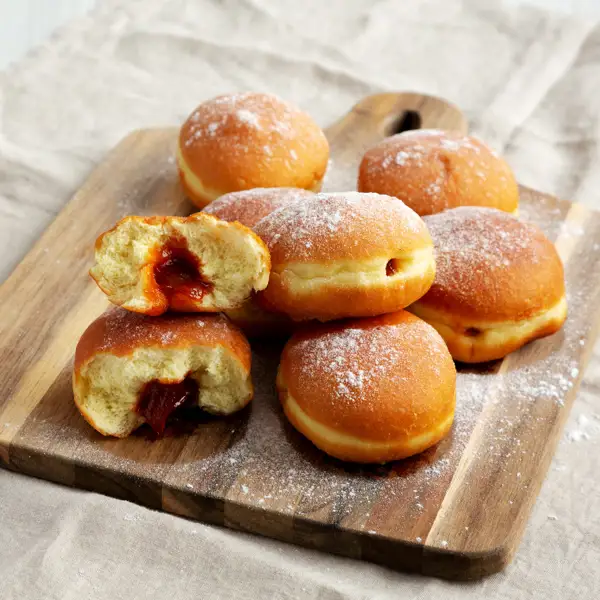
point(529, 82)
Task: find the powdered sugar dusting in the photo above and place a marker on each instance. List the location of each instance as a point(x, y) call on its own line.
point(332, 223)
point(355, 362)
point(476, 245)
point(416, 166)
point(250, 206)
point(245, 121)
point(120, 329)
point(248, 117)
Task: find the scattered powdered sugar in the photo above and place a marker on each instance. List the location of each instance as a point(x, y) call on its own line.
point(212, 128)
point(167, 337)
point(120, 328)
point(475, 244)
point(405, 157)
point(421, 162)
point(450, 144)
point(250, 206)
point(434, 188)
point(248, 117)
point(437, 468)
point(418, 148)
point(343, 217)
point(244, 120)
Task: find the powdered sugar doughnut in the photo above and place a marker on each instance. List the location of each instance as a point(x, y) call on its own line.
point(431, 170)
point(499, 283)
point(345, 255)
point(369, 390)
point(243, 141)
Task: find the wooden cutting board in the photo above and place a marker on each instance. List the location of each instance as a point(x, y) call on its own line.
point(456, 511)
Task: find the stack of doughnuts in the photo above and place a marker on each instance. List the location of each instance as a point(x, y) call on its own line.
point(379, 289)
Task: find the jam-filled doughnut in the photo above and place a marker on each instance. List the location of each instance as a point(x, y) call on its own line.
point(499, 283)
point(132, 369)
point(345, 255)
point(248, 207)
point(248, 140)
point(369, 390)
point(189, 264)
point(431, 170)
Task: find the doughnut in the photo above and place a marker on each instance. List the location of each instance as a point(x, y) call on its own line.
point(369, 390)
point(431, 170)
point(345, 255)
point(131, 369)
point(499, 283)
point(248, 207)
point(243, 141)
point(189, 264)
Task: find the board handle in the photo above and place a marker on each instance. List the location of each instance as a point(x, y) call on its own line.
point(377, 117)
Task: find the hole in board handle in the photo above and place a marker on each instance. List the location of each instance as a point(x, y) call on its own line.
point(409, 119)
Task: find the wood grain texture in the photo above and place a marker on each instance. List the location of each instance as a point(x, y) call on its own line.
point(456, 511)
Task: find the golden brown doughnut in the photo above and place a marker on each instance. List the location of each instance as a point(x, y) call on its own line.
point(189, 264)
point(369, 390)
point(345, 255)
point(431, 170)
point(130, 369)
point(249, 140)
point(248, 207)
point(499, 283)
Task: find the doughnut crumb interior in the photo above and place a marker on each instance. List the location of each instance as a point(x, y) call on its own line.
point(189, 264)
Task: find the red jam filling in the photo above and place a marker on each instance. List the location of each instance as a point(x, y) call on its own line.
point(391, 267)
point(178, 271)
point(158, 401)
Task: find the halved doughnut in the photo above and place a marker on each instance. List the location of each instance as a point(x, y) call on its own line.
point(190, 264)
point(345, 255)
point(131, 369)
point(499, 283)
point(432, 170)
point(369, 390)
